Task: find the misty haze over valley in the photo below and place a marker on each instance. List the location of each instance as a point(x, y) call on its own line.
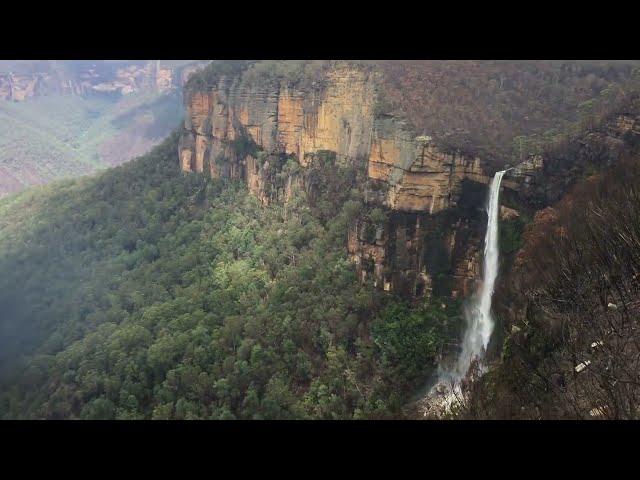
point(319, 239)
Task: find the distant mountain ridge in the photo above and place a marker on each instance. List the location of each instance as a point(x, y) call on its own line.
point(25, 79)
point(68, 118)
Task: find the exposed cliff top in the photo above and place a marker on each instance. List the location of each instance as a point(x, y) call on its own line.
point(303, 74)
point(481, 108)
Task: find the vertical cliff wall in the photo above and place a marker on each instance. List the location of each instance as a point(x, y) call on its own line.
point(428, 241)
point(49, 79)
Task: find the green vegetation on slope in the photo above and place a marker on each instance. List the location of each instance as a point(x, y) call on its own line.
point(499, 110)
point(53, 137)
point(148, 293)
point(510, 235)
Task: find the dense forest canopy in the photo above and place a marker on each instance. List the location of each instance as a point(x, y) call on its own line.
point(148, 293)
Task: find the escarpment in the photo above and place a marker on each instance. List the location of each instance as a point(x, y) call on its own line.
point(47, 78)
point(430, 238)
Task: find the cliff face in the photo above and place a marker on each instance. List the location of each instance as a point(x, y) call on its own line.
point(337, 118)
point(234, 130)
point(18, 88)
point(48, 79)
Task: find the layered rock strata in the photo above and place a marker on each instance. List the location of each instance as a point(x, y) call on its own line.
point(241, 131)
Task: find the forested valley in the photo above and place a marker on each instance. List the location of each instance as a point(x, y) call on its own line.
point(148, 293)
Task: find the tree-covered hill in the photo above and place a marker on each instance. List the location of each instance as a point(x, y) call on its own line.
point(60, 136)
point(147, 293)
point(500, 110)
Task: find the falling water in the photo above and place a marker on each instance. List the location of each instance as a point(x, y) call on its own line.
point(480, 323)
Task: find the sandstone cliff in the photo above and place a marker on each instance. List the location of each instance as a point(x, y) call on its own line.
point(49, 78)
point(237, 130)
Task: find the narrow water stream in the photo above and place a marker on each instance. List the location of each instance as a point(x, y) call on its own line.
point(480, 322)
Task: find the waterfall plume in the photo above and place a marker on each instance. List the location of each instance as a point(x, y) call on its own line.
point(479, 320)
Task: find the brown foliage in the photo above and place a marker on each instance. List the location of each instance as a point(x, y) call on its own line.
point(576, 354)
point(481, 106)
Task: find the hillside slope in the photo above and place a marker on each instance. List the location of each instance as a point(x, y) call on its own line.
point(571, 310)
point(62, 119)
point(302, 245)
point(147, 293)
point(54, 137)
point(499, 110)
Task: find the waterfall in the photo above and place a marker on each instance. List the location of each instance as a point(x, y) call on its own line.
point(478, 316)
point(480, 322)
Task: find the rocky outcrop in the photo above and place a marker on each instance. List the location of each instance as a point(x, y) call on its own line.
point(417, 254)
point(18, 88)
point(278, 121)
point(419, 177)
point(149, 76)
point(241, 131)
point(507, 213)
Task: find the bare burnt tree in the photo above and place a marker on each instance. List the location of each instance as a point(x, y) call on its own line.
point(592, 290)
point(574, 350)
point(585, 306)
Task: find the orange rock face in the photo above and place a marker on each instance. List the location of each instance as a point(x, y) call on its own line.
point(199, 109)
point(339, 118)
point(291, 123)
point(382, 159)
point(230, 126)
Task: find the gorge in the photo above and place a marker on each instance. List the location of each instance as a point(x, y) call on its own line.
point(304, 244)
point(61, 119)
